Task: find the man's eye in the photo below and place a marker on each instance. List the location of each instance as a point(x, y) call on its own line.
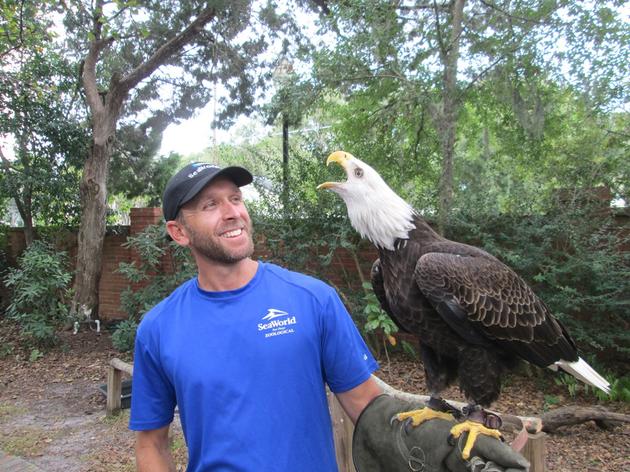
point(358, 172)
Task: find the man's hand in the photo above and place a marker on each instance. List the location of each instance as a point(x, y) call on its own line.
point(381, 445)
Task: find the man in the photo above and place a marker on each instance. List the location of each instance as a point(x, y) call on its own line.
point(244, 349)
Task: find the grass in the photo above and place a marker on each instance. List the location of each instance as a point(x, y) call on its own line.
point(122, 418)
point(27, 442)
point(7, 410)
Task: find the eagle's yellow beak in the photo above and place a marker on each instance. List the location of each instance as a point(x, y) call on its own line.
point(341, 158)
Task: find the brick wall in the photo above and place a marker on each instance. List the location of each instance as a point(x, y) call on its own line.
point(112, 283)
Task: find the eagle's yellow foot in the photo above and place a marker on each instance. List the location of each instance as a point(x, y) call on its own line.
point(474, 429)
point(424, 414)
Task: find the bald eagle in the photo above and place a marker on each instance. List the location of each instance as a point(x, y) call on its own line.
point(473, 315)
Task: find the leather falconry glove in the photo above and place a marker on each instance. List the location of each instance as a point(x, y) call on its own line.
point(382, 445)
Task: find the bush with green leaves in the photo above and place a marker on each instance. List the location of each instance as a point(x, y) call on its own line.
point(161, 267)
point(124, 335)
point(39, 293)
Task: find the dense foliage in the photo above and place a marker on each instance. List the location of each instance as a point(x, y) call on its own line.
point(40, 293)
point(38, 94)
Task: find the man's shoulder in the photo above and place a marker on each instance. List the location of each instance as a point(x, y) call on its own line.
point(166, 305)
point(299, 280)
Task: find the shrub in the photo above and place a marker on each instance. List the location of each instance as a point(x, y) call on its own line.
point(39, 291)
point(163, 266)
point(124, 335)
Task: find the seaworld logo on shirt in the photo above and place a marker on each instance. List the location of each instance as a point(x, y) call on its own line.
point(273, 313)
point(277, 327)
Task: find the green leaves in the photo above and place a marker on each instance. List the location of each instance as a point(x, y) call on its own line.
point(376, 318)
point(162, 266)
point(39, 292)
point(50, 140)
point(124, 335)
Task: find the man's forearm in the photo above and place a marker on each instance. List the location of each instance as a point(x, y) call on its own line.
point(354, 401)
point(154, 460)
point(152, 451)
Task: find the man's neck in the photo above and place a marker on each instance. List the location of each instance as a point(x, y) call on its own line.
point(218, 277)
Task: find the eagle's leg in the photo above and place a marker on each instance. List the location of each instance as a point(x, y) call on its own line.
point(439, 373)
point(478, 422)
point(479, 378)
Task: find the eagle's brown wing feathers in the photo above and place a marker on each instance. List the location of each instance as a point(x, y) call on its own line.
point(376, 276)
point(477, 294)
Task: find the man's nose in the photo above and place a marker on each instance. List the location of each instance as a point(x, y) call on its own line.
point(230, 211)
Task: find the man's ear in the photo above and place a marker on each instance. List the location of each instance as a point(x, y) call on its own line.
point(177, 232)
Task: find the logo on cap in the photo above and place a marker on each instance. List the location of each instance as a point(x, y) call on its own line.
point(200, 168)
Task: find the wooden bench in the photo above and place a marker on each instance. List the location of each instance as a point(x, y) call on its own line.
point(114, 384)
point(534, 450)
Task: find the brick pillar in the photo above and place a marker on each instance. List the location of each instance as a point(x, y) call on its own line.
point(143, 217)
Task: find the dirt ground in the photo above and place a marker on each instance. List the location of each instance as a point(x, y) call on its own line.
point(52, 414)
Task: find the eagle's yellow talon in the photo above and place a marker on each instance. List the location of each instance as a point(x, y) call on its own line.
point(474, 429)
point(422, 415)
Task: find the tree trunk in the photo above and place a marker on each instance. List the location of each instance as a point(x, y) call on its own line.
point(93, 189)
point(572, 415)
point(24, 208)
point(27, 218)
point(23, 199)
point(445, 113)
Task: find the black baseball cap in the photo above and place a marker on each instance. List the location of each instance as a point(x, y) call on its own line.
point(189, 181)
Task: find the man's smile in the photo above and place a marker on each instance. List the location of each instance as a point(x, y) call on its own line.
point(232, 233)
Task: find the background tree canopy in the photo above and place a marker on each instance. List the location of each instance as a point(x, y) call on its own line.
point(499, 120)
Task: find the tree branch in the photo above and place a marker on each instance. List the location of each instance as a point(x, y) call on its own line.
point(89, 64)
point(438, 32)
point(6, 163)
point(425, 6)
point(506, 13)
point(164, 52)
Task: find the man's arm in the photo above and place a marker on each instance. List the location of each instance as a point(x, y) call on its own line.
point(355, 400)
point(152, 451)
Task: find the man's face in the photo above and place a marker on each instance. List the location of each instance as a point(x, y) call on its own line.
point(217, 223)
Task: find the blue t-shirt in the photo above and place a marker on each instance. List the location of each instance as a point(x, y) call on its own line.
point(247, 370)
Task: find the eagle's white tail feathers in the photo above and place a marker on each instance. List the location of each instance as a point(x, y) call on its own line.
point(584, 372)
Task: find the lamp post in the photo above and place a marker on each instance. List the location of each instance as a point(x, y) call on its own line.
point(281, 76)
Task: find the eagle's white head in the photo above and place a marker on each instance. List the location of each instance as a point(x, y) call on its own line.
point(374, 209)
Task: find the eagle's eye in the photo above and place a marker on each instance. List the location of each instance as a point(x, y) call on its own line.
point(358, 172)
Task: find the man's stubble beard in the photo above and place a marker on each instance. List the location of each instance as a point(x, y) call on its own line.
point(210, 249)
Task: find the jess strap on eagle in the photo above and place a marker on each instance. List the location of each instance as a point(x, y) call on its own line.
point(382, 445)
